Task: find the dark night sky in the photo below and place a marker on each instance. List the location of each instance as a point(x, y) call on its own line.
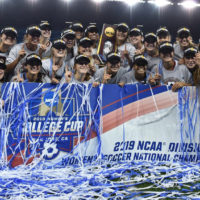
point(21, 13)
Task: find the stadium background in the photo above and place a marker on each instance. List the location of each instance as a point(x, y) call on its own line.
point(22, 13)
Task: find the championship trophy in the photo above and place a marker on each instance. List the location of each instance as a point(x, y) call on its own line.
point(107, 42)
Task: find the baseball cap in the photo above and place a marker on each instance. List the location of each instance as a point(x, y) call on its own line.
point(9, 31)
point(135, 32)
point(162, 32)
point(140, 60)
point(68, 33)
point(190, 53)
point(59, 44)
point(81, 59)
point(150, 38)
point(113, 58)
point(77, 27)
point(123, 27)
point(33, 59)
point(183, 33)
point(45, 25)
point(92, 29)
point(166, 47)
point(85, 42)
point(2, 63)
point(33, 31)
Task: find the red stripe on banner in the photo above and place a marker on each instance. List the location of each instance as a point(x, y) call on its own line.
point(131, 95)
point(138, 108)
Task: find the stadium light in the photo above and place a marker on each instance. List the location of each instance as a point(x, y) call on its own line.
point(189, 4)
point(129, 2)
point(133, 2)
point(32, 1)
point(161, 3)
point(66, 1)
point(98, 1)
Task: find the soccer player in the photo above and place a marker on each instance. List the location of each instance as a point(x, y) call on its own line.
point(92, 33)
point(85, 47)
point(169, 71)
point(18, 53)
point(8, 38)
point(163, 35)
point(112, 72)
point(136, 38)
point(124, 49)
point(79, 30)
point(31, 73)
point(81, 71)
point(45, 43)
point(151, 51)
point(54, 67)
point(68, 36)
point(138, 74)
point(184, 41)
point(192, 62)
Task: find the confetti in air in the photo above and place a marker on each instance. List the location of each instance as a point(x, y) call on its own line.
point(53, 143)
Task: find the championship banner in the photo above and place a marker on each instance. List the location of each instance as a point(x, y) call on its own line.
point(61, 125)
point(47, 121)
point(107, 42)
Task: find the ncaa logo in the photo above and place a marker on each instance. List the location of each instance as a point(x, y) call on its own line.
point(50, 99)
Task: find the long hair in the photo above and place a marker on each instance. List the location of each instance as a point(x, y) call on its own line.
point(196, 77)
point(39, 77)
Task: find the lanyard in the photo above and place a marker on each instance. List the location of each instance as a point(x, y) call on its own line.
point(160, 71)
point(160, 66)
point(24, 77)
point(51, 68)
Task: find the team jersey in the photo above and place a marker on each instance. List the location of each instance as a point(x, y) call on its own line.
point(47, 53)
point(14, 54)
point(74, 80)
point(180, 73)
point(72, 54)
point(47, 68)
point(131, 49)
point(178, 52)
point(129, 78)
point(152, 62)
point(98, 77)
point(42, 79)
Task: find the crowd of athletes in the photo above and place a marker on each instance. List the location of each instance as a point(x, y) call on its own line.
point(149, 58)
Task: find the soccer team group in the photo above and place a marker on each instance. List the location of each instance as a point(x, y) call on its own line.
point(73, 58)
